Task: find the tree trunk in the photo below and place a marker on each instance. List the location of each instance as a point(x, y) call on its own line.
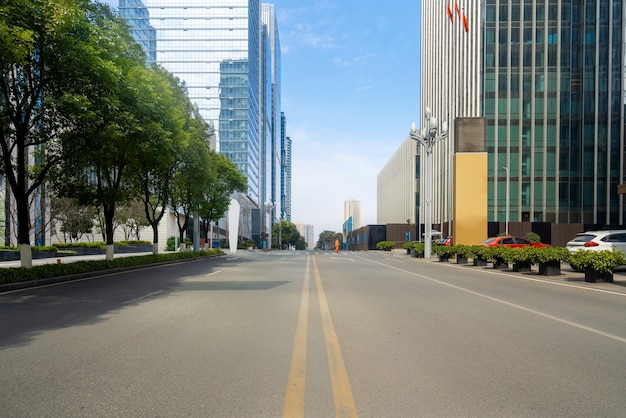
point(109, 212)
point(26, 256)
point(155, 239)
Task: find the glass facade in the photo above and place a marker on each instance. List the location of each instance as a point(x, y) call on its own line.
point(214, 47)
point(554, 100)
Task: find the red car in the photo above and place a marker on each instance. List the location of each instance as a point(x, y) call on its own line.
point(512, 242)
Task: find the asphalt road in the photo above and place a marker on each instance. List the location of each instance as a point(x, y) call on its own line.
point(368, 334)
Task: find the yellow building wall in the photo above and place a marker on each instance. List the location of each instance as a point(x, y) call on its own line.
point(470, 198)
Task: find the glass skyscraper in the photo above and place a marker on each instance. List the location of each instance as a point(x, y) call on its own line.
point(549, 78)
point(214, 47)
point(554, 101)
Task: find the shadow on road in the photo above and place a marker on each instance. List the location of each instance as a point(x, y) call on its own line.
point(27, 313)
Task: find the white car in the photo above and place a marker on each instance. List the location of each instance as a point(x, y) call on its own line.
point(598, 241)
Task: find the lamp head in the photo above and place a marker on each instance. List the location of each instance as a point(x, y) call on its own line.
point(427, 113)
point(413, 128)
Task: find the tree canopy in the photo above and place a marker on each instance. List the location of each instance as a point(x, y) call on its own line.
point(327, 239)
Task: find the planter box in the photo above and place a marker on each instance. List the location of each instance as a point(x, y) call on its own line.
point(417, 255)
point(521, 267)
point(133, 248)
point(551, 268)
point(444, 258)
point(500, 265)
point(593, 276)
point(460, 259)
point(480, 262)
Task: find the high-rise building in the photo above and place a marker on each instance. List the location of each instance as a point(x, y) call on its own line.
point(285, 171)
point(227, 52)
point(270, 113)
point(307, 231)
point(549, 78)
point(352, 209)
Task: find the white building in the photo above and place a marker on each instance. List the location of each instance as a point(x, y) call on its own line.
point(308, 232)
point(396, 187)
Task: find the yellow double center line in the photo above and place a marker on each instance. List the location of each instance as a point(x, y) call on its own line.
point(342, 393)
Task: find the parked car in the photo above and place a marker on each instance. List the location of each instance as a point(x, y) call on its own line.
point(445, 241)
point(598, 241)
point(512, 242)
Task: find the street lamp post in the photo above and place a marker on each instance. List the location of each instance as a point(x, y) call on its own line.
point(506, 214)
point(428, 138)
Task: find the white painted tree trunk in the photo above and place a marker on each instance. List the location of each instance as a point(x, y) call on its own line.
point(110, 252)
point(26, 256)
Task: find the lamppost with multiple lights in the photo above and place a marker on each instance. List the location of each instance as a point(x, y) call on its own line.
point(428, 138)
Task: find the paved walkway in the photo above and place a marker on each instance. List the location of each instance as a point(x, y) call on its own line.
point(567, 273)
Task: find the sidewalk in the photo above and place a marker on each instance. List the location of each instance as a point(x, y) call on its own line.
point(567, 273)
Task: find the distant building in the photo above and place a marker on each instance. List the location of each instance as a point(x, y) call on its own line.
point(308, 232)
point(285, 171)
point(352, 209)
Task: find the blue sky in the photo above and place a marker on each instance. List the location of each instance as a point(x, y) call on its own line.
point(350, 90)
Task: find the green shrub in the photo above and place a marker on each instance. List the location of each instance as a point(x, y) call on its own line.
point(96, 244)
point(499, 254)
point(133, 242)
point(407, 245)
point(444, 250)
point(45, 248)
point(20, 274)
point(605, 261)
point(478, 251)
point(520, 255)
point(418, 247)
point(534, 237)
point(170, 244)
point(547, 254)
point(385, 245)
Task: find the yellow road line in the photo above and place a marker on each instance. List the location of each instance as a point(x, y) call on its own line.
point(294, 396)
point(342, 393)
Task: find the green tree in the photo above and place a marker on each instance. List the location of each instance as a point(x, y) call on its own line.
point(164, 111)
point(45, 49)
point(131, 217)
point(289, 235)
point(76, 220)
point(327, 239)
point(223, 180)
point(191, 177)
point(104, 144)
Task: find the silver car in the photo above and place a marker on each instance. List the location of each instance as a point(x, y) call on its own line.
point(598, 241)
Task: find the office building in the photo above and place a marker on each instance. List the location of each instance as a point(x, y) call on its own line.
point(227, 52)
point(285, 171)
point(549, 79)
